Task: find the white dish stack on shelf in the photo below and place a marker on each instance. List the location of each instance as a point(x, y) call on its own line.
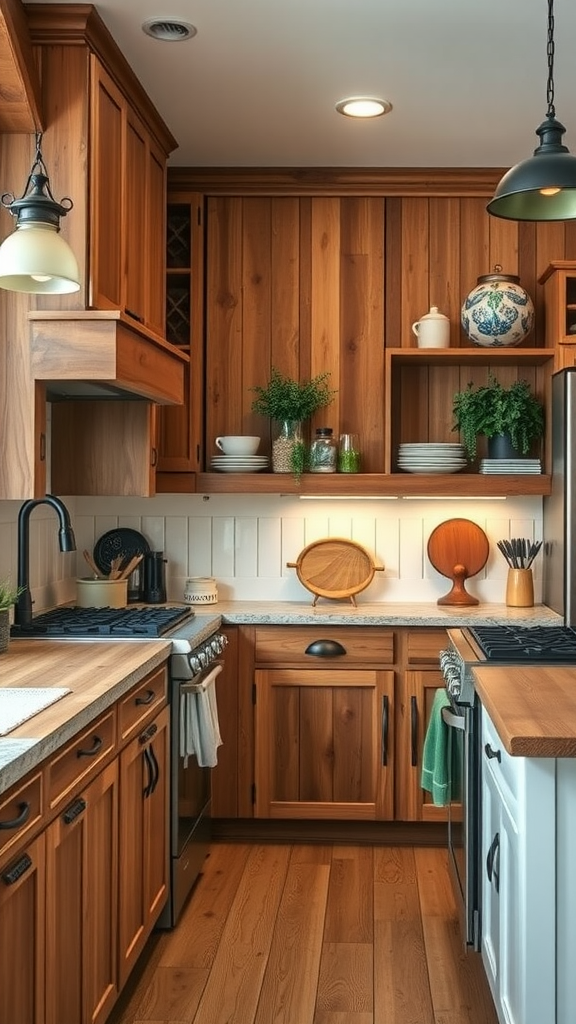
point(239, 463)
point(431, 457)
point(511, 466)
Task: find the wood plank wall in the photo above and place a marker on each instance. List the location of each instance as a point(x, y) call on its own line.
point(309, 283)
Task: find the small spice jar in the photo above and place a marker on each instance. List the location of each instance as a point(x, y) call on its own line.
point(323, 452)
point(349, 454)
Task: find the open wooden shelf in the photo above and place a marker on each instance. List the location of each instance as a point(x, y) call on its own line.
point(355, 485)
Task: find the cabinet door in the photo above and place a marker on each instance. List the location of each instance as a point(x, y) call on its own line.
point(135, 218)
point(413, 713)
point(144, 798)
point(324, 745)
point(81, 905)
point(107, 141)
point(22, 921)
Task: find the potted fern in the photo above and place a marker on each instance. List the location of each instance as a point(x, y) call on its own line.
point(498, 412)
point(289, 403)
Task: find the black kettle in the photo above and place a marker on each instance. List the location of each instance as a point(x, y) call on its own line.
point(154, 578)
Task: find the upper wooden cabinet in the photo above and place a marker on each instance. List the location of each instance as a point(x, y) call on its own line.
point(109, 148)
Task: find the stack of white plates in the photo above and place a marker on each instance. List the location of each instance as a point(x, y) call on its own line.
point(513, 466)
point(431, 457)
point(239, 463)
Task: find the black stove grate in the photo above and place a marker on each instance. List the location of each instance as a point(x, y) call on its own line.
point(115, 623)
point(526, 643)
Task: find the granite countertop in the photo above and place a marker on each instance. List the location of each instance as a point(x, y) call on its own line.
point(343, 613)
point(533, 707)
point(97, 674)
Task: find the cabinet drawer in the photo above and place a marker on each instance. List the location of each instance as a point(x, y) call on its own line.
point(424, 645)
point(20, 810)
point(81, 758)
point(287, 645)
point(144, 700)
point(506, 770)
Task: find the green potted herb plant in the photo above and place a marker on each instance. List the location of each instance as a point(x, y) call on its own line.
point(8, 596)
point(496, 411)
point(289, 403)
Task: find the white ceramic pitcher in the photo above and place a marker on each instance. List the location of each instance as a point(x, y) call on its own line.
point(432, 329)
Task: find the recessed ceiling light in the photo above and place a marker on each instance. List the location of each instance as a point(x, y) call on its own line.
point(363, 106)
point(170, 30)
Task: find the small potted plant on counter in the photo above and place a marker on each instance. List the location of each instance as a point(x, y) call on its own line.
point(289, 402)
point(512, 413)
point(8, 596)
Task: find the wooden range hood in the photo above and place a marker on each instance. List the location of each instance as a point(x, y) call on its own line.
point(104, 354)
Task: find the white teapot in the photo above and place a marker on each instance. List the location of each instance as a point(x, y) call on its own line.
point(432, 329)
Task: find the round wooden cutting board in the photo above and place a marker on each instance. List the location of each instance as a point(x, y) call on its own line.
point(335, 568)
point(458, 548)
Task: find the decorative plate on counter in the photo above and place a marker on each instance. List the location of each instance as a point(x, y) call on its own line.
point(335, 568)
point(122, 541)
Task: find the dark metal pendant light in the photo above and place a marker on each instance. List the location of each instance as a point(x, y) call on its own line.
point(543, 187)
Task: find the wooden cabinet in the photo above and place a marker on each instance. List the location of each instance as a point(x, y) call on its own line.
point(144, 801)
point(22, 936)
point(329, 722)
point(559, 281)
point(82, 905)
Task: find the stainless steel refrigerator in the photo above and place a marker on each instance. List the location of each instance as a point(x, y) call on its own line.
point(559, 564)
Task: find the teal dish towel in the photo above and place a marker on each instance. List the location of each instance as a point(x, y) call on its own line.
point(436, 756)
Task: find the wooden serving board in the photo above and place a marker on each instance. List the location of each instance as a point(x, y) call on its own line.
point(335, 568)
point(458, 548)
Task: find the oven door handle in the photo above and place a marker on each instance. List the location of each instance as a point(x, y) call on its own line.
point(452, 720)
point(202, 681)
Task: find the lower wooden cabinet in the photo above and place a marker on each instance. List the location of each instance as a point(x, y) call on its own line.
point(323, 743)
point(144, 803)
point(81, 905)
point(22, 936)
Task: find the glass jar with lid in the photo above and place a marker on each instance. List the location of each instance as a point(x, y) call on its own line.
point(323, 452)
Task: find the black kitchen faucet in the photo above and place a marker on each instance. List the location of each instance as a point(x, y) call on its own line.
point(66, 540)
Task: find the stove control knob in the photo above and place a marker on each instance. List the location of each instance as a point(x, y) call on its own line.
point(195, 663)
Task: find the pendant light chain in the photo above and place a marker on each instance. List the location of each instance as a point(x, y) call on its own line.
point(550, 54)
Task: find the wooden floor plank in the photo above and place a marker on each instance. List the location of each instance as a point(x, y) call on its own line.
point(291, 977)
point(460, 992)
point(195, 942)
point(401, 986)
point(233, 989)
point(349, 916)
point(345, 982)
point(173, 994)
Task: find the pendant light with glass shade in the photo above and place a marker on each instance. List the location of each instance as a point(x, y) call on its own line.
point(543, 187)
point(35, 258)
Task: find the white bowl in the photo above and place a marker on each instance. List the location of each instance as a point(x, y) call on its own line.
point(238, 444)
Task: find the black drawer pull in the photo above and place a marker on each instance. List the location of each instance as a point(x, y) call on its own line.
point(414, 731)
point(491, 861)
point(385, 721)
point(147, 699)
point(490, 753)
point(12, 874)
point(72, 812)
point(92, 750)
point(150, 769)
point(24, 809)
point(325, 649)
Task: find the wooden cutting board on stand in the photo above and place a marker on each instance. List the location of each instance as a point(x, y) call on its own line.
point(335, 568)
point(458, 549)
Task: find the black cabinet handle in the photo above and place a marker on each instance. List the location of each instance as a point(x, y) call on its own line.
point(490, 753)
point(23, 816)
point(414, 730)
point(147, 699)
point(91, 750)
point(13, 873)
point(150, 768)
point(385, 723)
point(325, 649)
point(76, 808)
point(491, 862)
point(155, 767)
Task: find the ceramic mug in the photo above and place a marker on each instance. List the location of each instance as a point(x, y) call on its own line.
point(238, 444)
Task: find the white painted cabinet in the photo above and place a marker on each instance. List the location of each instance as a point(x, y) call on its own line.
point(519, 878)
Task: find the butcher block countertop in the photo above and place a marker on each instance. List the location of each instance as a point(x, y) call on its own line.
point(533, 707)
point(97, 674)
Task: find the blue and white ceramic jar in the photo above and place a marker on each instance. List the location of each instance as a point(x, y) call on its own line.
point(497, 312)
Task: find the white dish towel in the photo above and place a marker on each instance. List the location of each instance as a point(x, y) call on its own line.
point(199, 726)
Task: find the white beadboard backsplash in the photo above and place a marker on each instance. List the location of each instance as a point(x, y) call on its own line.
point(245, 541)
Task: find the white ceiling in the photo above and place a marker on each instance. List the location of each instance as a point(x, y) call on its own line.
point(258, 84)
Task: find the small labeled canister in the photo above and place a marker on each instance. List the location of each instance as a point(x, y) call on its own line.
point(200, 590)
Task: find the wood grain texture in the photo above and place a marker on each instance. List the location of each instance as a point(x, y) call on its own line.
point(335, 568)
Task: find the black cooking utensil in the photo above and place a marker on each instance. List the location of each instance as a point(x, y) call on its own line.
point(519, 552)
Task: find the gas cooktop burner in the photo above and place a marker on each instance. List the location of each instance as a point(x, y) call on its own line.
point(115, 623)
point(526, 643)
